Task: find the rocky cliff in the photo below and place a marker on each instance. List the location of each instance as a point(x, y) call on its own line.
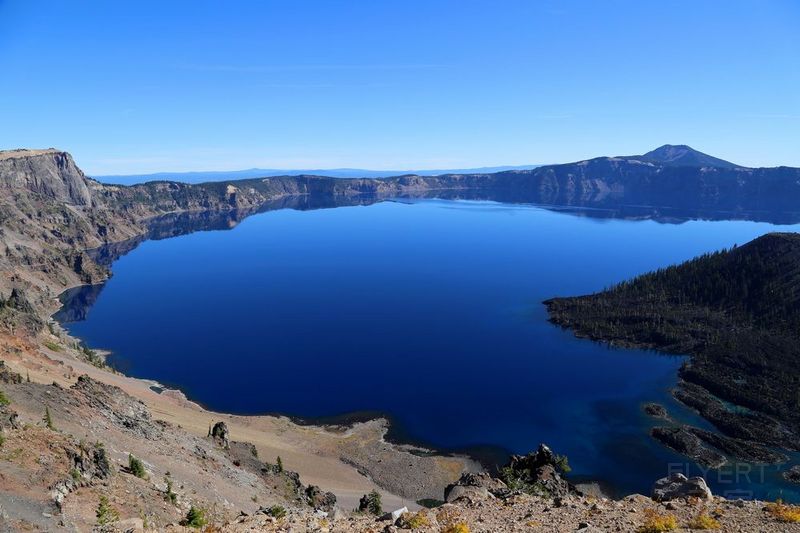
point(51, 213)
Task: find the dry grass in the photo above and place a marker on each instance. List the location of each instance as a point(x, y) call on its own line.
point(655, 522)
point(785, 513)
point(704, 521)
point(414, 520)
point(459, 527)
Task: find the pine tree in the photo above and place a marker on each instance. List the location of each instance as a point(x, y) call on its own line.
point(105, 513)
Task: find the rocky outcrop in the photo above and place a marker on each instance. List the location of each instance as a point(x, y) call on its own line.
point(51, 174)
point(741, 424)
point(678, 486)
point(539, 473)
point(792, 474)
point(656, 410)
point(742, 450)
point(118, 407)
point(87, 466)
point(474, 487)
point(319, 499)
point(220, 434)
point(687, 443)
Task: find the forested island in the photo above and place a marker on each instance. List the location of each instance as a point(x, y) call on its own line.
point(736, 312)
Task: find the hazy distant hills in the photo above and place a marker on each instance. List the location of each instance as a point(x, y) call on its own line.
point(668, 155)
point(225, 175)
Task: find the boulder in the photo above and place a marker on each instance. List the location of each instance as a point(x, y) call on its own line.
point(395, 515)
point(678, 486)
point(324, 501)
point(474, 487)
point(655, 410)
point(221, 435)
point(793, 474)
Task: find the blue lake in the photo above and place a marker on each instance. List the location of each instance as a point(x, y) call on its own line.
point(429, 311)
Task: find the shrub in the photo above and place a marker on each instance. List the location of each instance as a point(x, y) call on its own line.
point(92, 357)
point(655, 522)
point(704, 521)
point(371, 503)
point(4, 399)
point(170, 496)
point(105, 513)
point(52, 346)
point(522, 482)
point(276, 511)
point(784, 513)
point(414, 520)
point(48, 420)
point(196, 517)
point(136, 466)
point(279, 464)
point(459, 527)
point(562, 464)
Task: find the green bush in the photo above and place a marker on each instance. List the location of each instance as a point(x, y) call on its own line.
point(48, 420)
point(196, 517)
point(169, 495)
point(92, 357)
point(562, 464)
point(136, 466)
point(276, 511)
point(4, 399)
point(105, 513)
point(371, 503)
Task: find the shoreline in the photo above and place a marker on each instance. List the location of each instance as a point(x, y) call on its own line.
point(487, 455)
point(350, 454)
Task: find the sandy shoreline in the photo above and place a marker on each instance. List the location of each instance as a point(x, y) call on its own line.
point(349, 458)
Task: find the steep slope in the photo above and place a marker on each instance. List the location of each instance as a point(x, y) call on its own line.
point(736, 312)
point(51, 414)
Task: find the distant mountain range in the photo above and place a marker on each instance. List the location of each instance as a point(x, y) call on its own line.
point(668, 155)
point(225, 175)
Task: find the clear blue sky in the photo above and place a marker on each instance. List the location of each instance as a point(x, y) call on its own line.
point(131, 87)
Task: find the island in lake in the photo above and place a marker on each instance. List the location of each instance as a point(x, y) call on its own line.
point(737, 313)
point(80, 439)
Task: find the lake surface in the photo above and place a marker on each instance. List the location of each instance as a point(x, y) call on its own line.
point(429, 311)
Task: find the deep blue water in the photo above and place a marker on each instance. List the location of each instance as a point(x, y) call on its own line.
point(429, 311)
